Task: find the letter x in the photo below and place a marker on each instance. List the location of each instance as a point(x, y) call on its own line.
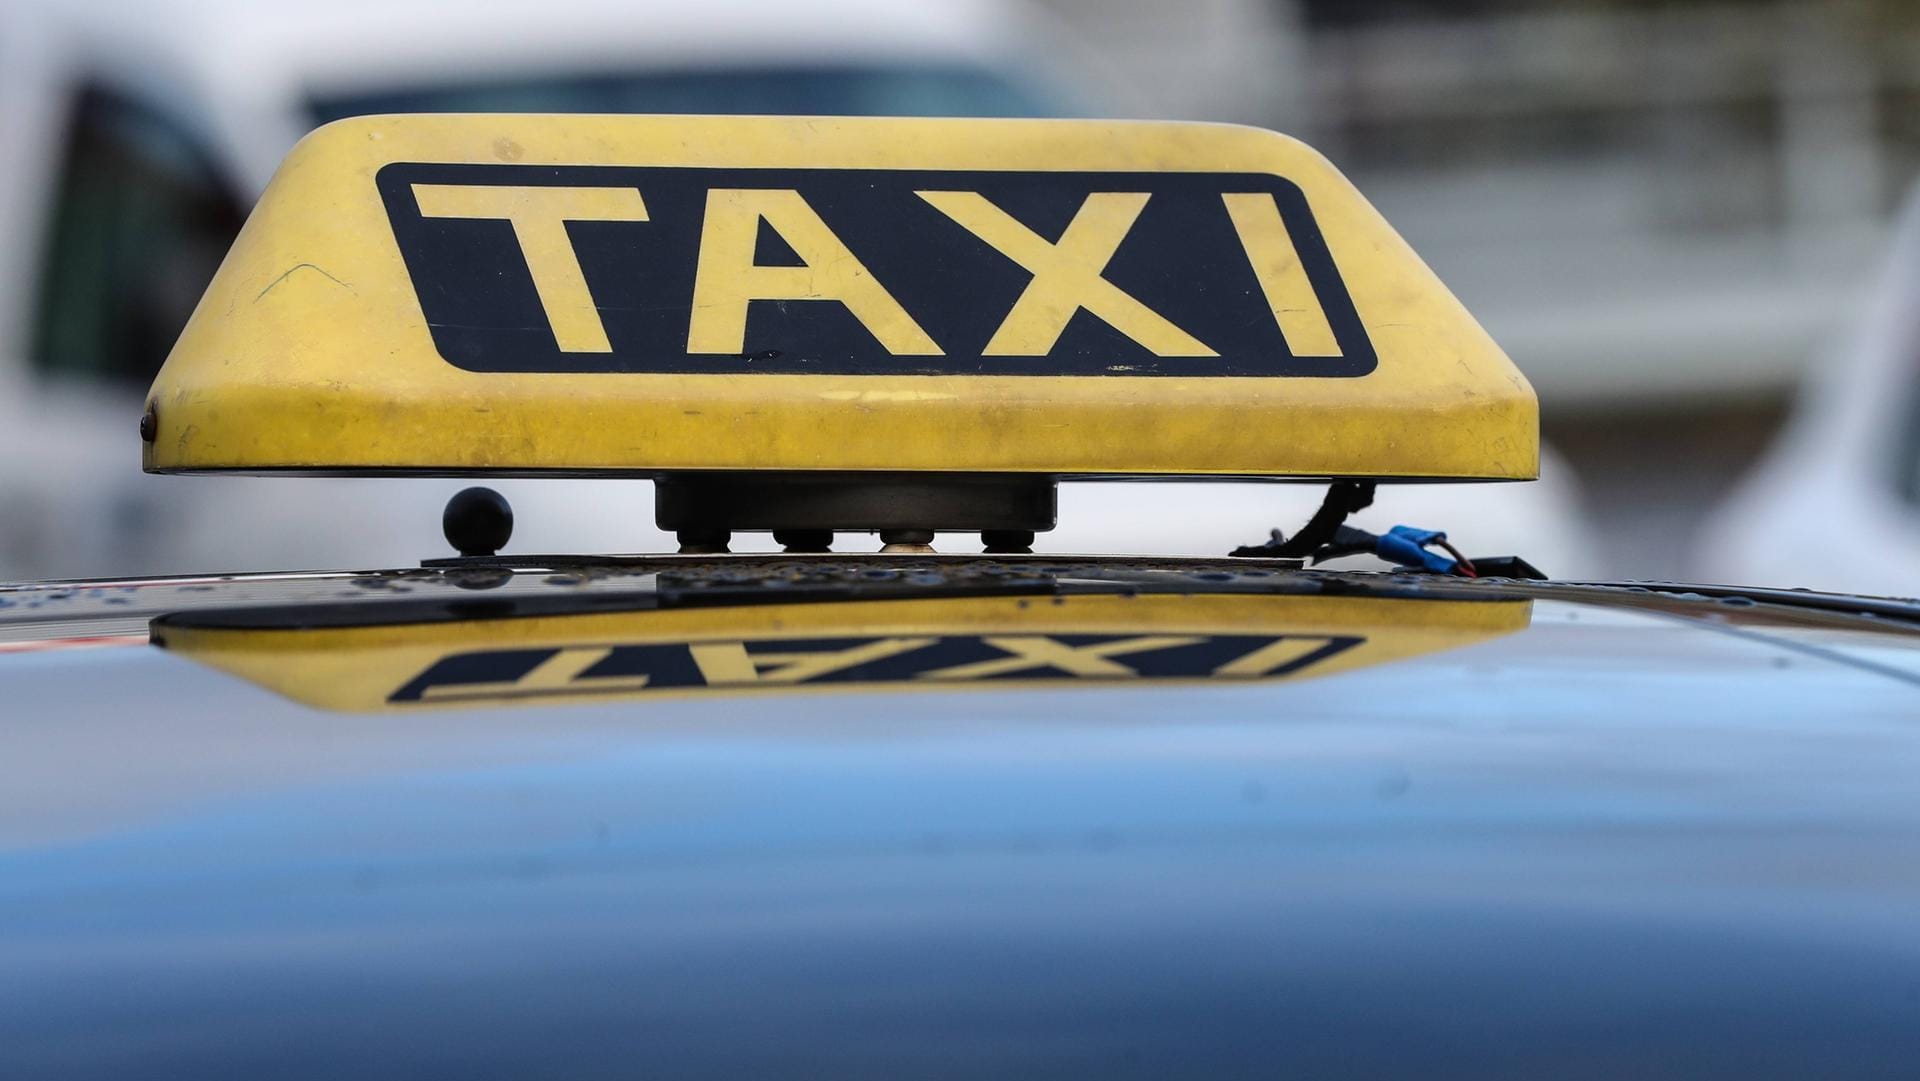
point(1066, 275)
point(1028, 652)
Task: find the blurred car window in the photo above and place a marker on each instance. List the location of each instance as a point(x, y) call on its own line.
point(816, 91)
point(141, 218)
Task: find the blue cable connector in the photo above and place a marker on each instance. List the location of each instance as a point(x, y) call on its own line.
point(1407, 546)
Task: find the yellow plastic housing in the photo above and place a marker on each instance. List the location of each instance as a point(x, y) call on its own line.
point(312, 349)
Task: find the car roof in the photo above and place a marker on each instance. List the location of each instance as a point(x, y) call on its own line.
point(519, 601)
point(31, 613)
point(1685, 812)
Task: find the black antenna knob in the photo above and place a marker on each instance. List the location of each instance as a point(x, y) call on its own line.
point(477, 522)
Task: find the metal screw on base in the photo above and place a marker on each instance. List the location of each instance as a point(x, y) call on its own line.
point(804, 540)
point(1007, 542)
point(704, 542)
point(906, 541)
point(477, 521)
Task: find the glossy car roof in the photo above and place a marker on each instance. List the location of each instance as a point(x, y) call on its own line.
point(1642, 832)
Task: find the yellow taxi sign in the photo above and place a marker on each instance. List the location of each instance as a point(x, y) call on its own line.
point(934, 644)
point(652, 295)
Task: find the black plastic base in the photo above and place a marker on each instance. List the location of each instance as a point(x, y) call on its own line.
point(848, 502)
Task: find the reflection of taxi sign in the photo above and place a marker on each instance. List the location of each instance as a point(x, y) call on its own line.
point(658, 295)
point(742, 663)
point(917, 644)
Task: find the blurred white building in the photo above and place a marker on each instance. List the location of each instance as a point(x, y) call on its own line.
point(1661, 211)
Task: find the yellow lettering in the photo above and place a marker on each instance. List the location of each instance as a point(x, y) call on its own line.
point(723, 662)
point(1066, 275)
point(727, 278)
point(1264, 659)
point(539, 216)
point(1303, 323)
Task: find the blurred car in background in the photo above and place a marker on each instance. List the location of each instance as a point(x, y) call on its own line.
point(139, 134)
point(1835, 504)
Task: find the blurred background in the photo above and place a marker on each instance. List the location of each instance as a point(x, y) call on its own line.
point(1685, 222)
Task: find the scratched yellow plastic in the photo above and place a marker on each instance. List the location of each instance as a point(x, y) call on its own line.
point(310, 352)
point(358, 669)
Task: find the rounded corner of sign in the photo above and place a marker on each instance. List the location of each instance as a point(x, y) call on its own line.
point(1268, 139)
point(338, 139)
point(1531, 469)
point(1236, 129)
point(1526, 471)
point(322, 137)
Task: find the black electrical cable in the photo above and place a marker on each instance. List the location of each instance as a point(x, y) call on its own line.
point(1344, 499)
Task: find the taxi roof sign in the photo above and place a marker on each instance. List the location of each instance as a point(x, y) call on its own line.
point(654, 295)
